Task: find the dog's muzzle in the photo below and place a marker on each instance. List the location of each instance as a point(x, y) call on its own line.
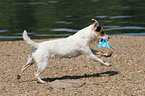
point(101, 39)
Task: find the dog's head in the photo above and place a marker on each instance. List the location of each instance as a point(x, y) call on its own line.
point(98, 30)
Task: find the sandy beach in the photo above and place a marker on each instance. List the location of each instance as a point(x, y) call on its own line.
point(126, 76)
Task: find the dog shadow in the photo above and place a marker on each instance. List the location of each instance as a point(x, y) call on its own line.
point(103, 74)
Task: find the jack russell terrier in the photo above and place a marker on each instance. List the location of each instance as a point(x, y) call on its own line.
point(72, 46)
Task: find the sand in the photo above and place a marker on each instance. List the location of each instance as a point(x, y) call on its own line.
point(126, 76)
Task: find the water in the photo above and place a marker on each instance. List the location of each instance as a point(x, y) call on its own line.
point(61, 18)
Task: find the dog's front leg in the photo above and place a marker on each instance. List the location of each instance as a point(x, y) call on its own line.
point(109, 54)
point(93, 57)
point(96, 52)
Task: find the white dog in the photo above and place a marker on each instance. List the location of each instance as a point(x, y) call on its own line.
point(72, 46)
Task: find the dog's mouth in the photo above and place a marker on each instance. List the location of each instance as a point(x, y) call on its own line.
point(100, 40)
point(105, 37)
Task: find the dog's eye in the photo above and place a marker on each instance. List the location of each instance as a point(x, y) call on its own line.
point(98, 28)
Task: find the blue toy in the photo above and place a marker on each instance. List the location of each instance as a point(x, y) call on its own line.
point(105, 43)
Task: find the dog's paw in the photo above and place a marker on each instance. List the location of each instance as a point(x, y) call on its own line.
point(107, 54)
point(42, 82)
point(18, 77)
point(107, 64)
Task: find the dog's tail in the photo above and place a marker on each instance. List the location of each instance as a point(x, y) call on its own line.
point(28, 40)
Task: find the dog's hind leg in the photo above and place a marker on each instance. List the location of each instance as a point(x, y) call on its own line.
point(28, 64)
point(42, 64)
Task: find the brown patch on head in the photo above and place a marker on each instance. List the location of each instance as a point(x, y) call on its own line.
point(100, 31)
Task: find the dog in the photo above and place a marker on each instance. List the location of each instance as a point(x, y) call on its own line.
point(72, 46)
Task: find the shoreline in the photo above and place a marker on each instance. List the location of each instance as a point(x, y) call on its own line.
point(116, 35)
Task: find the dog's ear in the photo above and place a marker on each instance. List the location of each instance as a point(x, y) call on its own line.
point(94, 22)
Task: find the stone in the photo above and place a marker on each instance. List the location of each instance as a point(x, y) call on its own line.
point(67, 83)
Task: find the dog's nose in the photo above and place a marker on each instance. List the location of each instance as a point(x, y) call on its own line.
point(108, 38)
